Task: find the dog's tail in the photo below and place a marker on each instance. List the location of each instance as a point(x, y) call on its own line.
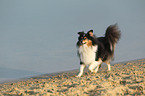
point(112, 35)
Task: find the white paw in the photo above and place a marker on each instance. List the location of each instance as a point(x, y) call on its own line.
point(108, 70)
point(93, 71)
point(79, 75)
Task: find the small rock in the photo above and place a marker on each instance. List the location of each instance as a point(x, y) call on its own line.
point(97, 77)
point(122, 82)
point(49, 91)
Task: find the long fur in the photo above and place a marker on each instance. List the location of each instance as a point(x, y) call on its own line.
point(93, 51)
point(108, 42)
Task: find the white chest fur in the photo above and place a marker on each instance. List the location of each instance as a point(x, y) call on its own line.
point(87, 54)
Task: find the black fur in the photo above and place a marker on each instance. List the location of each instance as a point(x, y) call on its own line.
point(106, 44)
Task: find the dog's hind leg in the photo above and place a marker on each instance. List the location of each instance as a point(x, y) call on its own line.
point(109, 67)
point(98, 65)
point(82, 66)
point(92, 66)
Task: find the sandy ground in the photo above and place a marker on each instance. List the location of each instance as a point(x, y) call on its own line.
point(126, 78)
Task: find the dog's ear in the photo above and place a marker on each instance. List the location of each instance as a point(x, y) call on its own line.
point(90, 33)
point(81, 33)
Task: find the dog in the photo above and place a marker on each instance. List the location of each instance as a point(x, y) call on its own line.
point(93, 51)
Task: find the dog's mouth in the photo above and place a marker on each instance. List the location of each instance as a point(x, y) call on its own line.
point(84, 42)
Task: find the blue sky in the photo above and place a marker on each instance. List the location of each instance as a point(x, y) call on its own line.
point(41, 35)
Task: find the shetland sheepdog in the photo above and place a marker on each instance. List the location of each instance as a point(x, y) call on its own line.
point(93, 51)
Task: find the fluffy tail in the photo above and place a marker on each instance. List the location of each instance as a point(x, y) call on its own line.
point(112, 35)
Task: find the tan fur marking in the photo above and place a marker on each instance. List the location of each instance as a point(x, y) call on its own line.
point(89, 43)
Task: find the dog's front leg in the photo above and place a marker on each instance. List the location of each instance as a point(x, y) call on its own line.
point(82, 66)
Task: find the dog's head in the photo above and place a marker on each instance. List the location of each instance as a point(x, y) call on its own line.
point(84, 38)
